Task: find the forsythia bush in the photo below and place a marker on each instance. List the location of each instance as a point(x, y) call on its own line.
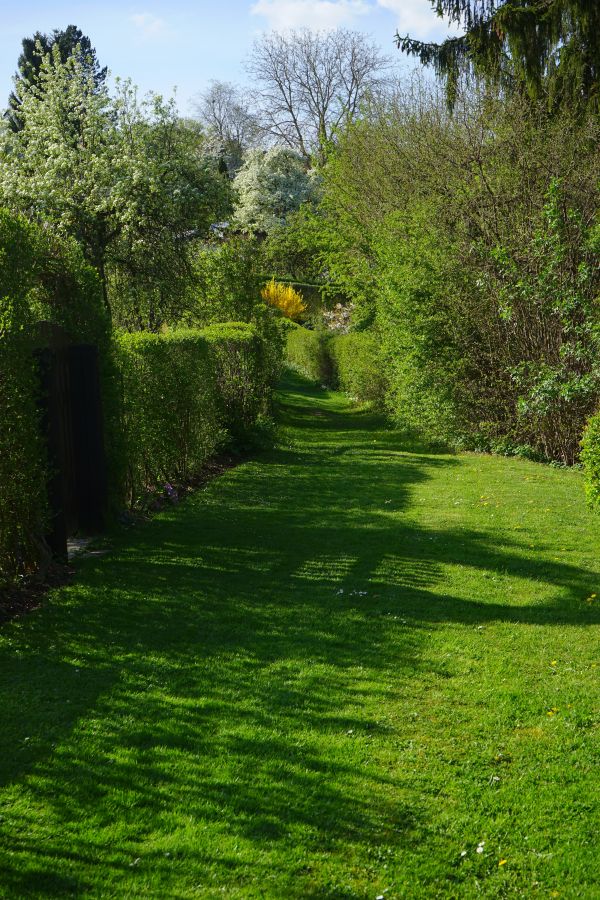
point(285, 298)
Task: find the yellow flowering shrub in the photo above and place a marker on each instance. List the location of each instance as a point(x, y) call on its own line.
point(285, 298)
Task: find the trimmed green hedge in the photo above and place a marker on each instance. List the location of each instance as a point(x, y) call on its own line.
point(272, 329)
point(348, 362)
point(41, 279)
point(185, 394)
point(237, 356)
point(22, 492)
point(307, 352)
point(170, 419)
point(590, 457)
point(357, 366)
point(169, 401)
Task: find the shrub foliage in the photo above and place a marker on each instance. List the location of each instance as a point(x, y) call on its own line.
point(469, 244)
point(42, 279)
point(285, 298)
point(169, 400)
point(590, 457)
point(185, 394)
point(307, 352)
point(349, 362)
point(21, 468)
point(357, 366)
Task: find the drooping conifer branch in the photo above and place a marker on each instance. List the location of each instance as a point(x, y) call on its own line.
point(549, 47)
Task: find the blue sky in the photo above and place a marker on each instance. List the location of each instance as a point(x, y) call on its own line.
point(181, 43)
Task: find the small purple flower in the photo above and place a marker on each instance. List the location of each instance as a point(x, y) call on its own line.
point(171, 492)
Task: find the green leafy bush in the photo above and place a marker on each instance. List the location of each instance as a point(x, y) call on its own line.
point(358, 367)
point(471, 244)
point(590, 457)
point(22, 474)
point(185, 394)
point(349, 362)
point(272, 329)
point(170, 415)
point(239, 360)
point(169, 400)
point(227, 282)
point(307, 352)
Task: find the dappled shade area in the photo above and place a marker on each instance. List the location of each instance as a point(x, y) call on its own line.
point(335, 671)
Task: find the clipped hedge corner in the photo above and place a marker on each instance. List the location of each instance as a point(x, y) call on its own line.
point(307, 352)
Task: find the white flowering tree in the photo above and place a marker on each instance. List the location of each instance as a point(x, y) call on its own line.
point(270, 185)
point(127, 178)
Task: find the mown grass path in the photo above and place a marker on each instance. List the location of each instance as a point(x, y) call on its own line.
point(336, 671)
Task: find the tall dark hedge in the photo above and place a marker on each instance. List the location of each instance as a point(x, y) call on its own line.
point(42, 279)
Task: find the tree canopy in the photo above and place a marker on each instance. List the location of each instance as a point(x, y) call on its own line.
point(527, 46)
point(224, 110)
point(270, 185)
point(311, 83)
point(69, 41)
point(126, 178)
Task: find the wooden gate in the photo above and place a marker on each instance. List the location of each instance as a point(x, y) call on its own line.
point(71, 411)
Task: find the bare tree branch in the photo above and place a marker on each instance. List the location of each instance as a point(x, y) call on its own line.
point(312, 83)
point(226, 112)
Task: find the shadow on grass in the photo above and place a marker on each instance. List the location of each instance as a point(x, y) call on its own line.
point(202, 665)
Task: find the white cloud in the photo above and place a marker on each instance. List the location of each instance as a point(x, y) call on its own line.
point(417, 18)
point(318, 15)
point(148, 25)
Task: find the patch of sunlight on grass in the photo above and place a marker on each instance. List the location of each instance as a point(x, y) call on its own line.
point(325, 568)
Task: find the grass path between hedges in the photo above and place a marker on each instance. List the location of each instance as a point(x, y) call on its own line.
point(339, 670)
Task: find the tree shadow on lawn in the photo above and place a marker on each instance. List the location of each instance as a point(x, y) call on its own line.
point(193, 644)
point(227, 660)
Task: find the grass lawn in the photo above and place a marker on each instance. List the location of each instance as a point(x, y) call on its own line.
point(346, 669)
